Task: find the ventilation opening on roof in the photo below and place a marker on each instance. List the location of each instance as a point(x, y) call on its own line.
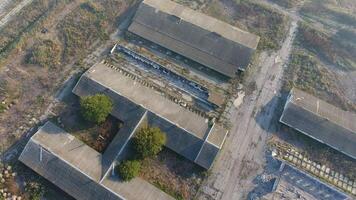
point(174, 19)
point(214, 35)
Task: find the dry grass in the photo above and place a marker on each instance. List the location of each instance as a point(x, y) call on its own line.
point(173, 174)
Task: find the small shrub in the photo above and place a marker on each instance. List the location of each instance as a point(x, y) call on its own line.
point(129, 169)
point(45, 53)
point(35, 190)
point(148, 142)
point(96, 108)
point(2, 108)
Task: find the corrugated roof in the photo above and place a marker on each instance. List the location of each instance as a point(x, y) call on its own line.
point(321, 121)
point(204, 39)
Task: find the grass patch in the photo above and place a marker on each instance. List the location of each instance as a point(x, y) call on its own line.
point(82, 28)
point(308, 76)
point(305, 72)
point(338, 49)
point(11, 35)
point(331, 13)
point(173, 174)
point(45, 53)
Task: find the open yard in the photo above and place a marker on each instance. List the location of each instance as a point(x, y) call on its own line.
point(27, 89)
point(97, 136)
point(173, 174)
point(39, 31)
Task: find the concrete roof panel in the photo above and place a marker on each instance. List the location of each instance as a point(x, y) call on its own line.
point(310, 116)
point(206, 40)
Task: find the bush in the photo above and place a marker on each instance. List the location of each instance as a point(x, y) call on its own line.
point(149, 142)
point(96, 108)
point(45, 53)
point(129, 169)
point(35, 190)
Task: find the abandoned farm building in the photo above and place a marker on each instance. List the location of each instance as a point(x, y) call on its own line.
point(321, 121)
point(78, 169)
point(201, 38)
point(188, 133)
point(86, 174)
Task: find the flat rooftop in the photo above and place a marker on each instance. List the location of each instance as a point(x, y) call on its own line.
point(149, 99)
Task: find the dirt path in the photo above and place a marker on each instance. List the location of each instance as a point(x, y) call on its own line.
point(13, 12)
point(243, 156)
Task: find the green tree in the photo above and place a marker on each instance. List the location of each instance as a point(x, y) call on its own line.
point(96, 108)
point(129, 169)
point(149, 142)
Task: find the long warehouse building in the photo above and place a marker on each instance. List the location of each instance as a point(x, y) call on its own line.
point(201, 38)
point(322, 121)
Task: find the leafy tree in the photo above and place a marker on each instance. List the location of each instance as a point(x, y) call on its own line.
point(96, 108)
point(149, 142)
point(129, 169)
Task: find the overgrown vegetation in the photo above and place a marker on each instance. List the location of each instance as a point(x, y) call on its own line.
point(331, 13)
point(129, 169)
point(35, 190)
point(96, 108)
point(265, 22)
point(27, 20)
point(173, 174)
point(338, 49)
point(304, 72)
point(82, 28)
point(45, 53)
point(308, 76)
point(148, 142)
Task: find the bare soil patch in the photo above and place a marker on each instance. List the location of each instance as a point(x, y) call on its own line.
point(97, 136)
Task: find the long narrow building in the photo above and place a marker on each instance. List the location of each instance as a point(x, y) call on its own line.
point(201, 38)
point(321, 121)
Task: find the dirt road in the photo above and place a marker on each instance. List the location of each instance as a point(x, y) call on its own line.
point(6, 18)
point(243, 155)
